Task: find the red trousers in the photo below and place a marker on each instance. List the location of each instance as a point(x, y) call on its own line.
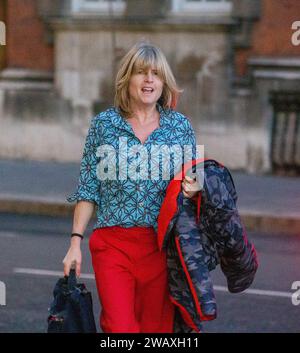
point(131, 278)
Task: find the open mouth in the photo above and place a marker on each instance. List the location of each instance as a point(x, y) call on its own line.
point(147, 90)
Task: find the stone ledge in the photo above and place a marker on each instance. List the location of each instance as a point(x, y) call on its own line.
point(26, 74)
point(188, 23)
point(20, 79)
point(289, 62)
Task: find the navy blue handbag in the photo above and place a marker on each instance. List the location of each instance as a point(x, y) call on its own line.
point(71, 310)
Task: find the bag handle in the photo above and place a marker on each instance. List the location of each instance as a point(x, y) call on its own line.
point(72, 281)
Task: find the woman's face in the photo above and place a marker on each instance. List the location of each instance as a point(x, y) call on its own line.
point(145, 87)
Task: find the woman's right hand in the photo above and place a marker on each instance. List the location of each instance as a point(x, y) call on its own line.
point(82, 214)
point(73, 255)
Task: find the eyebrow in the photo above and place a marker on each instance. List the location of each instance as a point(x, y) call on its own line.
point(145, 68)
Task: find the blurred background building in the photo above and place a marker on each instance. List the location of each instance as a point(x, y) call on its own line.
point(234, 59)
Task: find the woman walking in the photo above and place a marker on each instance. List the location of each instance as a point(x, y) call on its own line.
point(130, 271)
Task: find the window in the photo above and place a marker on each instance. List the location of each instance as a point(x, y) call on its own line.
point(193, 7)
point(197, 6)
point(285, 143)
point(90, 6)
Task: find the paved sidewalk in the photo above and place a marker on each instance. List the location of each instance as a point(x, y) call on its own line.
point(268, 204)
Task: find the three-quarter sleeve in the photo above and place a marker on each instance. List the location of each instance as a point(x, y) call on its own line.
point(190, 138)
point(88, 188)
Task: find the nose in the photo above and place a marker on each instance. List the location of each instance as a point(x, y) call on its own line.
point(149, 76)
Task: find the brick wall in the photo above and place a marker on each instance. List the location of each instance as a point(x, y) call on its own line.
point(271, 35)
point(26, 45)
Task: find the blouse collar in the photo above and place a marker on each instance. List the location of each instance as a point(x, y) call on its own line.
point(119, 121)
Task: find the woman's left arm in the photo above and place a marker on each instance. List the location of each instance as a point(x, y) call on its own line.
point(190, 186)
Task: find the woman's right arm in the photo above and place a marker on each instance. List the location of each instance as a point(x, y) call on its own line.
point(87, 194)
point(82, 215)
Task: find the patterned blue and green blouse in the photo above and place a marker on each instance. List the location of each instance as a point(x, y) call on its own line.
point(129, 201)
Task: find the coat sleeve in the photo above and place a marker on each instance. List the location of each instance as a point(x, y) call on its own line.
point(237, 255)
point(88, 188)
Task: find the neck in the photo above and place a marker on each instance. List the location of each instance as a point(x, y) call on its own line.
point(144, 114)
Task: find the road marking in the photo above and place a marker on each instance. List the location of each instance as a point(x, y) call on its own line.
point(31, 271)
point(38, 272)
point(270, 293)
point(4, 234)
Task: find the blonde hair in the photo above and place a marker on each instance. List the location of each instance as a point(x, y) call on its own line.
point(144, 56)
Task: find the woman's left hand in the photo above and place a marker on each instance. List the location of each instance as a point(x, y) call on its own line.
point(190, 187)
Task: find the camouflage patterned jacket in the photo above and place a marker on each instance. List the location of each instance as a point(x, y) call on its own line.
point(198, 235)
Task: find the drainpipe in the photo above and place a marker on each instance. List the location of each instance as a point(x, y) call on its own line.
point(113, 37)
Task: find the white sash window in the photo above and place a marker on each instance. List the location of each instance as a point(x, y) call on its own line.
point(90, 6)
point(213, 7)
